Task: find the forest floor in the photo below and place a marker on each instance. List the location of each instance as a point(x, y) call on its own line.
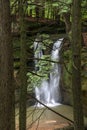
point(45, 119)
point(47, 125)
point(51, 126)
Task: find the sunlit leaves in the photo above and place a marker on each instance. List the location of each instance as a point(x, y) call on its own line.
point(65, 6)
point(61, 7)
point(43, 63)
point(84, 9)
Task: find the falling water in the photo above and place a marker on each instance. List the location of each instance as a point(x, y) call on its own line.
point(49, 91)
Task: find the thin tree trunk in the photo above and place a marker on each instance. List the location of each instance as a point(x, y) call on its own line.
point(7, 103)
point(23, 67)
point(76, 66)
point(66, 17)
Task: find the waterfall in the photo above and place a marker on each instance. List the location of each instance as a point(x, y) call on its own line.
point(49, 90)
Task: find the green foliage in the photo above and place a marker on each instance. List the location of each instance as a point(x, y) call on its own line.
point(64, 6)
point(84, 9)
point(16, 64)
point(46, 41)
point(68, 67)
point(67, 55)
point(43, 64)
point(68, 63)
point(35, 78)
point(49, 7)
point(14, 6)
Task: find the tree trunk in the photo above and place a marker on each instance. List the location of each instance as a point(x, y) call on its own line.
point(37, 9)
point(7, 103)
point(66, 17)
point(76, 65)
point(23, 72)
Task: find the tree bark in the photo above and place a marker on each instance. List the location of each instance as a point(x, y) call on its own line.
point(23, 71)
point(7, 102)
point(76, 65)
point(66, 17)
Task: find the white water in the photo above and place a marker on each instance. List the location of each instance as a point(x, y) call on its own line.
point(49, 91)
